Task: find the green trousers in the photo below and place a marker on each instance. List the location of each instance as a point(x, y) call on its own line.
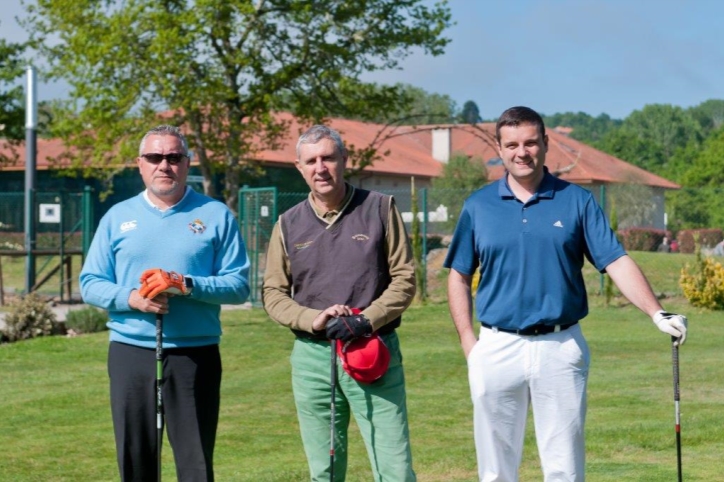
point(379, 409)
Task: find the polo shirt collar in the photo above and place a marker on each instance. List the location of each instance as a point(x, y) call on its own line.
point(545, 190)
point(331, 216)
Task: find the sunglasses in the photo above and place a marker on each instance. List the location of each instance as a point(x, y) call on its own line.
point(172, 159)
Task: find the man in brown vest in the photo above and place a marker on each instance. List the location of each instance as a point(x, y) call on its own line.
point(342, 249)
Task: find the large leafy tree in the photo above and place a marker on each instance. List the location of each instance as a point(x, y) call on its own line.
point(221, 68)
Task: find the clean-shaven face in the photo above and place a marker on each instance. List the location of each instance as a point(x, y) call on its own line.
point(166, 178)
point(523, 151)
point(322, 166)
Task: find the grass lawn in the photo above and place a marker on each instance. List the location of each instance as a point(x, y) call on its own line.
point(56, 424)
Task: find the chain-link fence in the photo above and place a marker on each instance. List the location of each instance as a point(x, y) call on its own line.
point(438, 211)
point(60, 233)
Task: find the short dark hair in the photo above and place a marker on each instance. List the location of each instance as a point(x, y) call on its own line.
point(518, 115)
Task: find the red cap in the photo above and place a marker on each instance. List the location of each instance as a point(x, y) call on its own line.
point(365, 358)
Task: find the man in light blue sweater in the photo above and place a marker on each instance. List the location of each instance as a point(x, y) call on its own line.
point(176, 234)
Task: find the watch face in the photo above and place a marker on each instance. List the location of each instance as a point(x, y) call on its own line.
point(188, 283)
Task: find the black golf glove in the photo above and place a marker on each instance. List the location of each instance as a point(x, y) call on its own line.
point(347, 328)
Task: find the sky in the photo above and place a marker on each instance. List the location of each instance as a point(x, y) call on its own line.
point(592, 56)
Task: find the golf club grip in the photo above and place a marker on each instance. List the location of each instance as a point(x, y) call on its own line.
point(159, 336)
point(675, 360)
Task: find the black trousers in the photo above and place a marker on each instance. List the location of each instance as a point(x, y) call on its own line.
point(191, 396)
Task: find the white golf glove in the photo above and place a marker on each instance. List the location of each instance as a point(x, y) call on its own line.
point(672, 324)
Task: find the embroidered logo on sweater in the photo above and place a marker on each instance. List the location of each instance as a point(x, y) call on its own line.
point(304, 245)
point(558, 224)
point(360, 237)
point(197, 226)
point(129, 225)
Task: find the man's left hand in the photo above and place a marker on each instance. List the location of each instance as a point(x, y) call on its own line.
point(347, 328)
point(672, 324)
point(155, 281)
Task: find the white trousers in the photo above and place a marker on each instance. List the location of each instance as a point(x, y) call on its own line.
point(507, 372)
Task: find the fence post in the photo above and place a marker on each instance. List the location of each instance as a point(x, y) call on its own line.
point(61, 247)
point(87, 235)
point(424, 242)
point(602, 277)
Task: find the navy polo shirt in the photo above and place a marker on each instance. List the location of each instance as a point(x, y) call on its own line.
point(531, 255)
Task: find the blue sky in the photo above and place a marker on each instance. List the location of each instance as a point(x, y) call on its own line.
point(594, 56)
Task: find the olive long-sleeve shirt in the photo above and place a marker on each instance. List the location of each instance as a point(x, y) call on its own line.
point(277, 288)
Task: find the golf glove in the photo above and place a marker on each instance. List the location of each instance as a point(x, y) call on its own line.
point(156, 281)
point(347, 328)
point(671, 323)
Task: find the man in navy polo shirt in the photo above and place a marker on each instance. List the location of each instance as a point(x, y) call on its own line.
point(528, 233)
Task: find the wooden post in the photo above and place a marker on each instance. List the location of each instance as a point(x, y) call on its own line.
point(2, 288)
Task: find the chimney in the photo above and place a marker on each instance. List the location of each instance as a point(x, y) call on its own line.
point(441, 144)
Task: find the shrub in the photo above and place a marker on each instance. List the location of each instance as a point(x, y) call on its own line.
point(707, 238)
point(642, 239)
point(86, 320)
point(703, 284)
point(29, 317)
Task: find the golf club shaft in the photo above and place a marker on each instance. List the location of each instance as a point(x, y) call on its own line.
point(333, 386)
point(159, 393)
point(677, 414)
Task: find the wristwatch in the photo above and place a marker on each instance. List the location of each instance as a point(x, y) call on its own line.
point(188, 285)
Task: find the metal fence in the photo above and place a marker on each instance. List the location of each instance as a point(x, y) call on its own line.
point(438, 211)
point(62, 223)
point(259, 209)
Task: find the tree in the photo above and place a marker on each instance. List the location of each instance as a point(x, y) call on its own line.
point(628, 146)
point(470, 113)
point(12, 109)
point(460, 177)
point(668, 127)
point(221, 68)
point(418, 107)
point(707, 168)
point(709, 114)
point(586, 128)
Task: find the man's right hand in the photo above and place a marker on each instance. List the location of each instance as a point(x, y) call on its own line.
point(159, 304)
point(348, 328)
point(671, 324)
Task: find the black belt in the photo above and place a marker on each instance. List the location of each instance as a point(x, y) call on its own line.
point(533, 330)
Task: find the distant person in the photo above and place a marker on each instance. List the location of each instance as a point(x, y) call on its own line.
point(342, 248)
point(664, 247)
point(674, 246)
point(719, 249)
point(527, 235)
point(188, 250)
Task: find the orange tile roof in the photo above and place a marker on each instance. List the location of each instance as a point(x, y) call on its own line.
point(406, 156)
point(410, 153)
point(582, 163)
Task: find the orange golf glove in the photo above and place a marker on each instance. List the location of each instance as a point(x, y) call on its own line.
point(156, 281)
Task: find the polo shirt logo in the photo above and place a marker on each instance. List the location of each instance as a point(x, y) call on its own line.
point(197, 226)
point(304, 245)
point(558, 224)
point(129, 225)
point(360, 237)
